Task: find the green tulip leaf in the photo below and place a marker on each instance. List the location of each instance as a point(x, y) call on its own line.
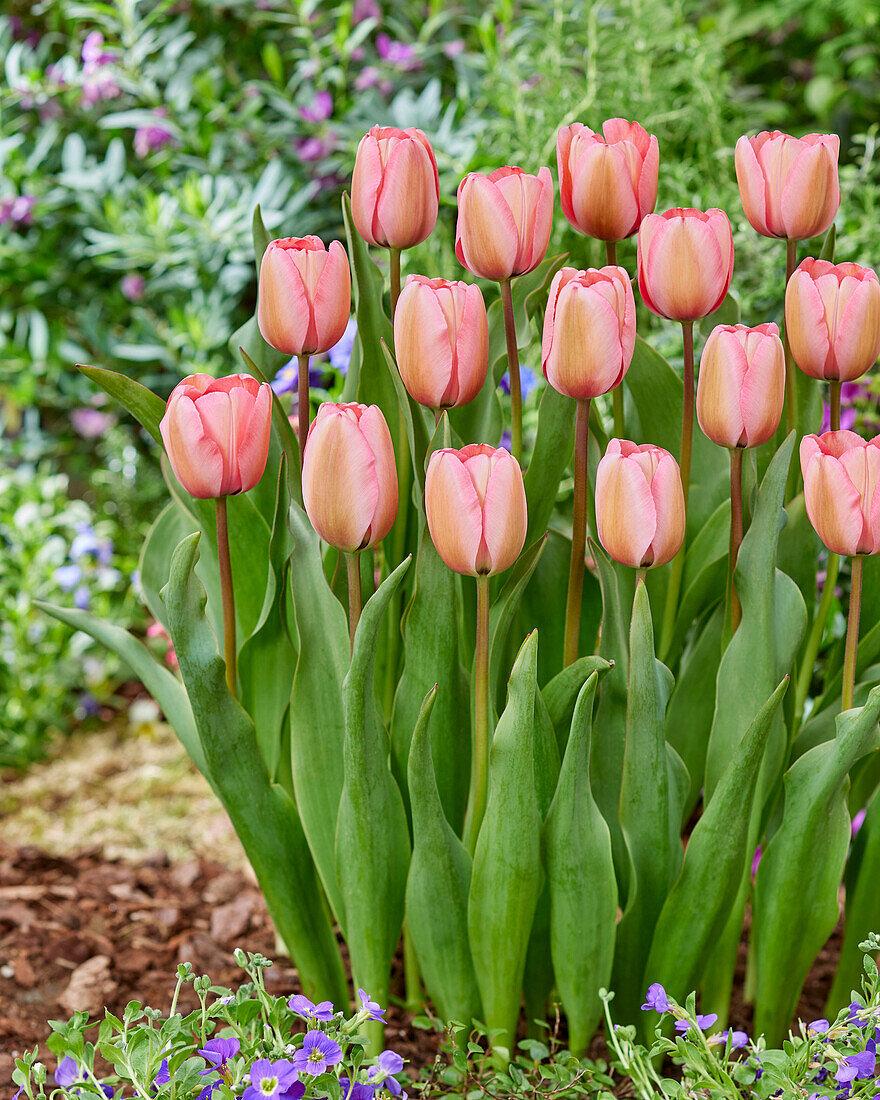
point(143, 404)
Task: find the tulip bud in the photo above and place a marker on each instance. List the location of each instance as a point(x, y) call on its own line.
point(394, 188)
point(841, 478)
point(441, 340)
point(607, 182)
point(304, 296)
point(788, 186)
point(589, 331)
point(349, 477)
point(640, 509)
point(685, 260)
point(504, 222)
point(476, 507)
point(741, 387)
point(832, 316)
point(216, 433)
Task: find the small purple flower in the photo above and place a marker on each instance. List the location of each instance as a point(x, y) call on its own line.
point(454, 48)
point(81, 598)
point(528, 380)
point(756, 860)
point(133, 286)
point(91, 423)
point(857, 1066)
point(287, 378)
point(703, 1022)
point(340, 354)
point(320, 109)
point(18, 210)
point(302, 1006)
point(67, 577)
point(317, 1053)
point(656, 999)
point(315, 148)
point(818, 1026)
point(364, 9)
point(858, 821)
point(372, 1008)
point(98, 85)
point(399, 54)
point(149, 139)
point(506, 439)
point(92, 50)
point(67, 1072)
point(271, 1080)
point(162, 1074)
point(356, 1090)
point(390, 1062)
point(854, 1015)
point(368, 77)
point(217, 1052)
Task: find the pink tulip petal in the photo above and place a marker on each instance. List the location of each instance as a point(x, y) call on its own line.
point(365, 183)
point(648, 181)
point(332, 300)
point(486, 233)
point(374, 429)
point(455, 517)
point(833, 504)
point(858, 330)
point(406, 210)
point(504, 513)
point(472, 346)
point(283, 313)
point(763, 391)
point(422, 345)
point(585, 359)
point(195, 459)
point(603, 196)
point(340, 488)
point(669, 507)
point(806, 325)
point(752, 186)
point(811, 194)
point(253, 448)
point(625, 511)
point(723, 368)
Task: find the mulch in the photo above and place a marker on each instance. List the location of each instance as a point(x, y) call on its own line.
point(83, 932)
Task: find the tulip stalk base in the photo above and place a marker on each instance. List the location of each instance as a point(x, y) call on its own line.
point(480, 778)
point(394, 274)
point(303, 404)
point(578, 533)
point(355, 602)
point(736, 533)
point(513, 372)
point(852, 634)
point(228, 597)
point(835, 405)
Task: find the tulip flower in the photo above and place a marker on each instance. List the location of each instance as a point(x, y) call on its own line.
point(832, 316)
point(842, 492)
point(395, 188)
point(303, 305)
point(587, 346)
point(503, 229)
point(475, 503)
point(607, 181)
point(740, 395)
point(788, 186)
point(350, 484)
point(640, 510)
point(441, 340)
point(216, 435)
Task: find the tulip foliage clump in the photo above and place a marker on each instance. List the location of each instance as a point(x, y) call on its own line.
point(465, 693)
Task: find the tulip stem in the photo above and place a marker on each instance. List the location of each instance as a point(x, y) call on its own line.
point(394, 265)
point(791, 411)
point(355, 603)
point(303, 405)
point(835, 405)
point(617, 392)
point(480, 783)
point(687, 437)
point(513, 372)
point(736, 532)
point(578, 533)
point(852, 633)
point(817, 632)
point(228, 596)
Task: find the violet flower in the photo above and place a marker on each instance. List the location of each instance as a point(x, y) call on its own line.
point(317, 1053)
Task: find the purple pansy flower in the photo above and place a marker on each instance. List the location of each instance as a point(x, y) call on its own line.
point(372, 1008)
point(656, 999)
point(302, 1006)
point(317, 1053)
point(273, 1081)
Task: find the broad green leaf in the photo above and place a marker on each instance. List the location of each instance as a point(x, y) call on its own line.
point(247, 340)
point(416, 427)
point(263, 814)
point(506, 879)
point(143, 404)
point(649, 825)
point(554, 447)
point(171, 525)
point(501, 616)
point(795, 906)
point(562, 692)
point(372, 835)
point(283, 429)
point(437, 887)
point(261, 237)
point(705, 576)
point(698, 906)
point(581, 882)
point(317, 715)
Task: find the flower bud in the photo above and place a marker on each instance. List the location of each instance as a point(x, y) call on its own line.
point(349, 476)
point(441, 340)
point(832, 316)
point(476, 507)
point(304, 296)
point(394, 189)
point(685, 260)
point(741, 387)
point(640, 509)
point(504, 222)
point(788, 186)
point(589, 331)
point(841, 480)
point(216, 433)
point(608, 181)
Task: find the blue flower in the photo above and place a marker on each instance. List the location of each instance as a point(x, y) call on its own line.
point(703, 1022)
point(340, 354)
point(277, 1080)
point(302, 1006)
point(162, 1076)
point(217, 1053)
point(372, 1008)
point(528, 380)
point(390, 1062)
point(67, 576)
point(67, 1072)
point(656, 999)
point(317, 1053)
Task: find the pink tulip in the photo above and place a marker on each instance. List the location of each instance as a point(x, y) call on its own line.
point(741, 387)
point(640, 509)
point(504, 222)
point(394, 188)
point(476, 508)
point(832, 315)
point(589, 331)
point(841, 482)
point(349, 477)
point(441, 339)
point(304, 297)
point(608, 181)
point(216, 433)
point(685, 260)
point(788, 186)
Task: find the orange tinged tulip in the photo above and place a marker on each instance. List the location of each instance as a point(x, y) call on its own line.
point(216, 433)
point(441, 340)
point(685, 261)
point(476, 507)
point(349, 476)
point(842, 490)
point(394, 188)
